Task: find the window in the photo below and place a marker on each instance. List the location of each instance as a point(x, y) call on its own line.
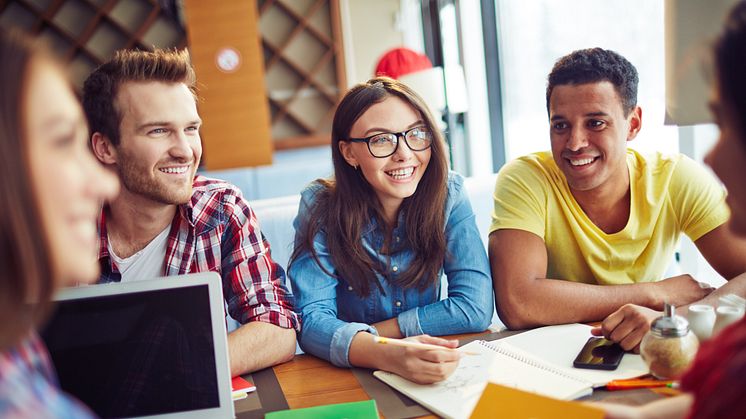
point(532, 35)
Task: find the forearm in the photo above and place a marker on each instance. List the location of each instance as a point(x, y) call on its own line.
point(459, 313)
point(470, 302)
point(327, 337)
point(526, 298)
point(446, 317)
point(551, 301)
point(365, 353)
point(671, 408)
point(258, 345)
point(736, 286)
point(389, 328)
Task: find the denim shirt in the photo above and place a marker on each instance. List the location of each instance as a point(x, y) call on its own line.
point(332, 313)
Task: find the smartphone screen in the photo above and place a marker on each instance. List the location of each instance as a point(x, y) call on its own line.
point(599, 354)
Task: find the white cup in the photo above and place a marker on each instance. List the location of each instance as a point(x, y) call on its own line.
point(725, 316)
point(701, 320)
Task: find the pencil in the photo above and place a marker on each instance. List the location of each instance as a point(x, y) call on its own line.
point(639, 383)
point(420, 345)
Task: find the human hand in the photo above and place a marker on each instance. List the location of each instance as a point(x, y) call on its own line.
point(680, 290)
point(627, 326)
point(424, 366)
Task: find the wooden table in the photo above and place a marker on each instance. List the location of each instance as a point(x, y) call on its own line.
point(308, 381)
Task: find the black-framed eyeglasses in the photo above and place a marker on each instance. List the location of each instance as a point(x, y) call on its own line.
point(384, 145)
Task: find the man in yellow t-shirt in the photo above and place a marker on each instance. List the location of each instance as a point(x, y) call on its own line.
point(588, 230)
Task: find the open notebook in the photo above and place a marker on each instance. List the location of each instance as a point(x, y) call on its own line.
point(539, 361)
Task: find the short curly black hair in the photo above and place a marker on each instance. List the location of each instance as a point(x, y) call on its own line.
point(595, 65)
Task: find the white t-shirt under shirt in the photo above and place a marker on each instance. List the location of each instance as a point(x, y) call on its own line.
point(145, 264)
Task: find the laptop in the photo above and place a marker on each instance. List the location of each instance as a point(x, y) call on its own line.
point(153, 349)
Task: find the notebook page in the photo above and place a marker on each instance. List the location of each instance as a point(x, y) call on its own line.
point(456, 396)
point(559, 345)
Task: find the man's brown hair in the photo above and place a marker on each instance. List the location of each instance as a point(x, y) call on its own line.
point(101, 87)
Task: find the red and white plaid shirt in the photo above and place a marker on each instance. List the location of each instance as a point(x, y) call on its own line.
point(217, 231)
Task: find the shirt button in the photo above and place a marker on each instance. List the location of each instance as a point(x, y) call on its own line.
point(349, 288)
point(398, 303)
point(395, 269)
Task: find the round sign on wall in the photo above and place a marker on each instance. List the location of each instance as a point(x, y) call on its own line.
point(228, 60)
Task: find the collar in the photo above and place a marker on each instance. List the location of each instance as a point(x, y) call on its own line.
point(103, 235)
point(195, 212)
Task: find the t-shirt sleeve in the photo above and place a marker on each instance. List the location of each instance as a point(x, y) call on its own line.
point(698, 199)
point(520, 198)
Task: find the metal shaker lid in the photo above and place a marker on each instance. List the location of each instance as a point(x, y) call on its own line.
point(669, 325)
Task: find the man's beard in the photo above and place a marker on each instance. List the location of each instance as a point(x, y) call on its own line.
point(136, 180)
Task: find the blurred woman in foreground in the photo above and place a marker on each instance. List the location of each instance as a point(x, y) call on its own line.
point(52, 189)
point(714, 385)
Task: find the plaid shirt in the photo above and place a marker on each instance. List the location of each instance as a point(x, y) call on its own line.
point(28, 385)
point(217, 231)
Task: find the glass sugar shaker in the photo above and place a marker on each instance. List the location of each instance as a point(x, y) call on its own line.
point(669, 347)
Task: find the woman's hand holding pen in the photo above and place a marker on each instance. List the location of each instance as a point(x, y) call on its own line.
point(422, 365)
point(423, 359)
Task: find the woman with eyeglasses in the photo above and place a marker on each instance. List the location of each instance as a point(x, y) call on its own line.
point(372, 242)
point(51, 191)
point(715, 387)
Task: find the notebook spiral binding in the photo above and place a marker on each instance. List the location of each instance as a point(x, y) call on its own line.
point(528, 360)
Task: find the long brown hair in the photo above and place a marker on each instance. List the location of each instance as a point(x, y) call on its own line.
point(26, 272)
point(347, 203)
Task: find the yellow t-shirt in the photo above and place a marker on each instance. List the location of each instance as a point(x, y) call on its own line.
point(669, 195)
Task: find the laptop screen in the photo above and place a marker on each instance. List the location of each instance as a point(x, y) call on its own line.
point(136, 354)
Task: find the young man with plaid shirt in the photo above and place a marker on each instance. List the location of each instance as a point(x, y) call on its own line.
point(141, 107)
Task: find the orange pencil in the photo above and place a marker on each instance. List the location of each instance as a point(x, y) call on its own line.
point(639, 383)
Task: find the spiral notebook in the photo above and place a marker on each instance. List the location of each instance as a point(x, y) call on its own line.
point(545, 369)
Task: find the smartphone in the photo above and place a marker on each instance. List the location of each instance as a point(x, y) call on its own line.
point(599, 354)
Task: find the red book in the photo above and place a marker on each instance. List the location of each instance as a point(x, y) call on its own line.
point(241, 387)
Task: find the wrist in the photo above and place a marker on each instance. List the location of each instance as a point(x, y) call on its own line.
point(654, 296)
point(364, 352)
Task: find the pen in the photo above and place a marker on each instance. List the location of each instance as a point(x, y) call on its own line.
point(420, 345)
point(640, 383)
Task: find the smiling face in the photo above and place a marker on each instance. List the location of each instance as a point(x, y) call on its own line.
point(160, 148)
point(728, 158)
point(395, 177)
point(69, 183)
point(589, 134)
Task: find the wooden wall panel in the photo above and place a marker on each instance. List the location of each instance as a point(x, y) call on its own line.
point(85, 34)
point(233, 106)
point(304, 65)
